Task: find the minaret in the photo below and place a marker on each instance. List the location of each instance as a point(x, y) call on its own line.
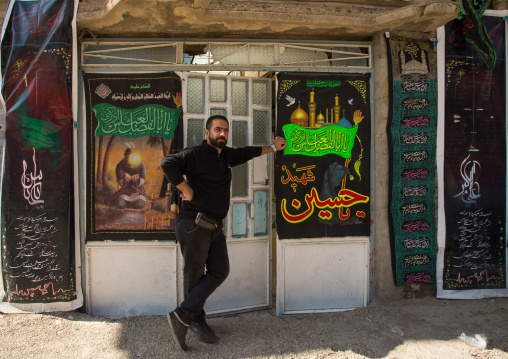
point(312, 110)
point(336, 109)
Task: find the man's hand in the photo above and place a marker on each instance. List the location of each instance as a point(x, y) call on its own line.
point(187, 191)
point(189, 197)
point(280, 143)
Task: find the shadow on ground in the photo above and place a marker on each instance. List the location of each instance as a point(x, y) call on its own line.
point(431, 329)
point(430, 326)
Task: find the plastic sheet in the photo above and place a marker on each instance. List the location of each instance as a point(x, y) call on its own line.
point(37, 183)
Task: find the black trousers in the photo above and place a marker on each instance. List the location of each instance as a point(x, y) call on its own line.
point(206, 266)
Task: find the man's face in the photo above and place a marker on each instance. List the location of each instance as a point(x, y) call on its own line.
point(218, 134)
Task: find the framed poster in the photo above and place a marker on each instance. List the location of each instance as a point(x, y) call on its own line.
point(133, 122)
point(322, 178)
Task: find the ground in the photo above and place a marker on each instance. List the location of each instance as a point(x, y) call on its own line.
point(430, 329)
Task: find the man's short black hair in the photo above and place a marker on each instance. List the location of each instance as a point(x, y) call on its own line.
point(214, 117)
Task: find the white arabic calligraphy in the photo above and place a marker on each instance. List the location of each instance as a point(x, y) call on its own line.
point(36, 257)
point(470, 188)
point(31, 182)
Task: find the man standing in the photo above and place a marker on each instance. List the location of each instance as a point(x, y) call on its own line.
point(199, 226)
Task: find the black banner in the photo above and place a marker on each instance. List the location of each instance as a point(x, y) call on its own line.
point(322, 178)
point(475, 160)
point(37, 184)
point(133, 122)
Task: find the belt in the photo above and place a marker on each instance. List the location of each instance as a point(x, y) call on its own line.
point(207, 222)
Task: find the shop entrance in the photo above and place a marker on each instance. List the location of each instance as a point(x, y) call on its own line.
point(126, 276)
point(246, 102)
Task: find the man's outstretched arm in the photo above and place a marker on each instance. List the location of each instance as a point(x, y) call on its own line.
point(279, 143)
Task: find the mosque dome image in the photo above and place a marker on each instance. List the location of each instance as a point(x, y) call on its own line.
point(344, 123)
point(320, 120)
point(300, 117)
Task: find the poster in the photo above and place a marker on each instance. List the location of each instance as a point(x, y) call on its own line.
point(134, 121)
point(38, 243)
point(473, 240)
point(322, 177)
point(411, 130)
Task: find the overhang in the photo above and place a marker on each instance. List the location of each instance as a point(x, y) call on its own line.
point(230, 19)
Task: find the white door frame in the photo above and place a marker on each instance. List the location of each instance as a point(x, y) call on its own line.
point(250, 255)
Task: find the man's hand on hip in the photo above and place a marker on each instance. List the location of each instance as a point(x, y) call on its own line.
point(187, 191)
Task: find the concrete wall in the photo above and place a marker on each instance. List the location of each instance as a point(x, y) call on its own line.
point(383, 281)
point(260, 19)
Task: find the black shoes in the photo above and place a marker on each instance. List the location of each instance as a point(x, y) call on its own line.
point(178, 330)
point(204, 332)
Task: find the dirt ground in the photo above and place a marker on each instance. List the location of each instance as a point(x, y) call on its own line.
point(430, 329)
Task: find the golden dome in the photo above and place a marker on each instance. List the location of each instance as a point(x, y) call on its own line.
point(300, 117)
point(320, 117)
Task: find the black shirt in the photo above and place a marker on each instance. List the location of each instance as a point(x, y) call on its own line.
point(208, 173)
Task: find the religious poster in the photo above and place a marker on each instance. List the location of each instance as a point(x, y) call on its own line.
point(134, 121)
point(322, 177)
point(473, 244)
point(411, 130)
point(38, 242)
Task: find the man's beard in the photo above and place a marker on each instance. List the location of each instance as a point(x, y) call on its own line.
point(215, 142)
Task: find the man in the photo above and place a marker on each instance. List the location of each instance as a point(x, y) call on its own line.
point(130, 176)
point(206, 189)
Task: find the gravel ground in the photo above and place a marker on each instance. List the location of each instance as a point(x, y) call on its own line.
point(411, 328)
